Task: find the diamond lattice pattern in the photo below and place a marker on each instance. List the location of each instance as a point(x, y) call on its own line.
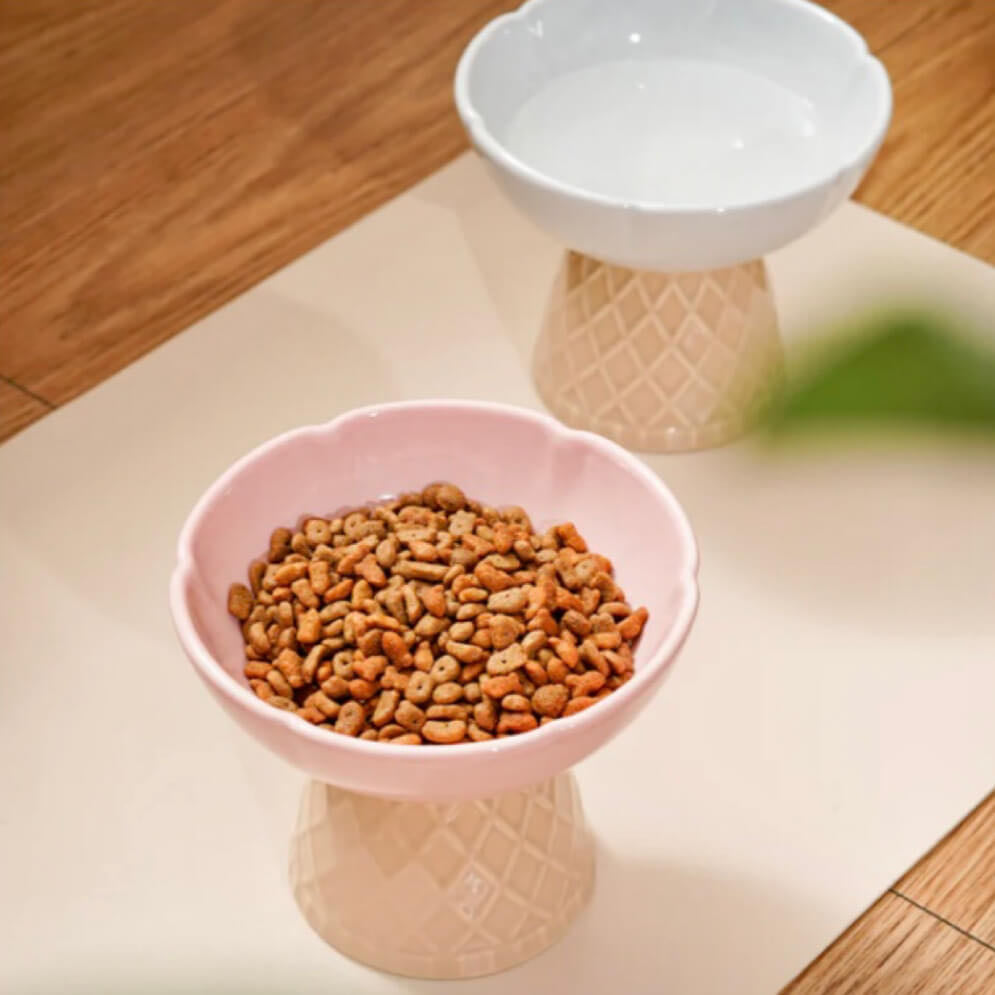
point(658, 361)
point(442, 890)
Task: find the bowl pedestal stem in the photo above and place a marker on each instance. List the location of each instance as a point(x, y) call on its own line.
point(446, 889)
point(659, 362)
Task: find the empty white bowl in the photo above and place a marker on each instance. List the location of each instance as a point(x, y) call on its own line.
point(674, 134)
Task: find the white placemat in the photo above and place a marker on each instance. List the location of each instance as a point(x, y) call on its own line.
point(829, 719)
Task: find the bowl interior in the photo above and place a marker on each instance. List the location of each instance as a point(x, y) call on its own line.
point(498, 455)
point(675, 102)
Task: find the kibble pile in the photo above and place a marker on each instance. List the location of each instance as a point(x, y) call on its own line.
point(432, 618)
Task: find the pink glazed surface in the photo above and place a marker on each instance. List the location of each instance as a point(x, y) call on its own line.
point(497, 454)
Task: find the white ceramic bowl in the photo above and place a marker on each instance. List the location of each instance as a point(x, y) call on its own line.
point(674, 134)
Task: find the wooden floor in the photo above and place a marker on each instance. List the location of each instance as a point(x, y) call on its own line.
point(161, 157)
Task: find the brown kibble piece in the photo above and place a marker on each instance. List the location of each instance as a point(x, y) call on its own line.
point(257, 569)
point(369, 668)
point(566, 651)
point(498, 687)
point(450, 498)
point(414, 570)
point(386, 707)
point(351, 719)
point(510, 601)
point(410, 716)
point(371, 571)
point(506, 661)
point(335, 687)
point(262, 689)
point(516, 722)
point(289, 664)
point(339, 591)
point(504, 631)
point(419, 689)
point(362, 690)
point(578, 623)
point(258, 639)
point(319, 700)
point(439, 731)
point(536, 673)
point(588, 684)
point(240, 601)
point(424, 657)
point(279, 683)
point(447, 693)
point(631, 627)
point(309, 627)
point(569, 535)
point(557, 670)
point(465, 652)
point(447, 712)
point(320, 575)
point(286, 573)
point(395, 649)
point(475, 733)
point(576, 705)
point(485, 714)
point(492, 578)
point(446, 668)
point(279, 544)
point(550, 700)
point(423, 551)
point(386, 552)
point(408, 739)
point(256, 669)
point(317, 531)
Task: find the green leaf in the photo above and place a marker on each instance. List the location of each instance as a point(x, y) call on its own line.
point(905, 369)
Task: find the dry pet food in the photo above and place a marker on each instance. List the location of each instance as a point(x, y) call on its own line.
point(432, 618)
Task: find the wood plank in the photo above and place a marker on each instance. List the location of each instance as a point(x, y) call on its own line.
point(934, 171)
point(160, 158)
point(957, 879)
point(233, 137)
point(18, 409)
point(164, 157)
point(898, 949)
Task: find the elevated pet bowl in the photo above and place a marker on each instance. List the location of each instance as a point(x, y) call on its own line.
point(439, 861)
point(669, 144)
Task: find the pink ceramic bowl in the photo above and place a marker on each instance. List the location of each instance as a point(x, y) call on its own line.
point(497, 454)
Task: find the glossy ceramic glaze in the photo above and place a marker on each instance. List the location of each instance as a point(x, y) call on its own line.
point(674, 134)
point(497, 453)
point(658, 362)
point(442, 890)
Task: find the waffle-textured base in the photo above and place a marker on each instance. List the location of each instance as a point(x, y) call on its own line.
point(660, 362)
point(446, 890)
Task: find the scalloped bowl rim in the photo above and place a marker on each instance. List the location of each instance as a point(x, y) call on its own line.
point(498, 152)
point(211, 670)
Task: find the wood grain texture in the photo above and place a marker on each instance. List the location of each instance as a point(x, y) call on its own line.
point(163, 157)
point(957, 879)
point(898, 949)
point(936, 169)
point(18, 409)
point(160, 158)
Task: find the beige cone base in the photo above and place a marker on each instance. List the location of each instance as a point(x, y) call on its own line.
point(660, 362)
point(448, 890)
